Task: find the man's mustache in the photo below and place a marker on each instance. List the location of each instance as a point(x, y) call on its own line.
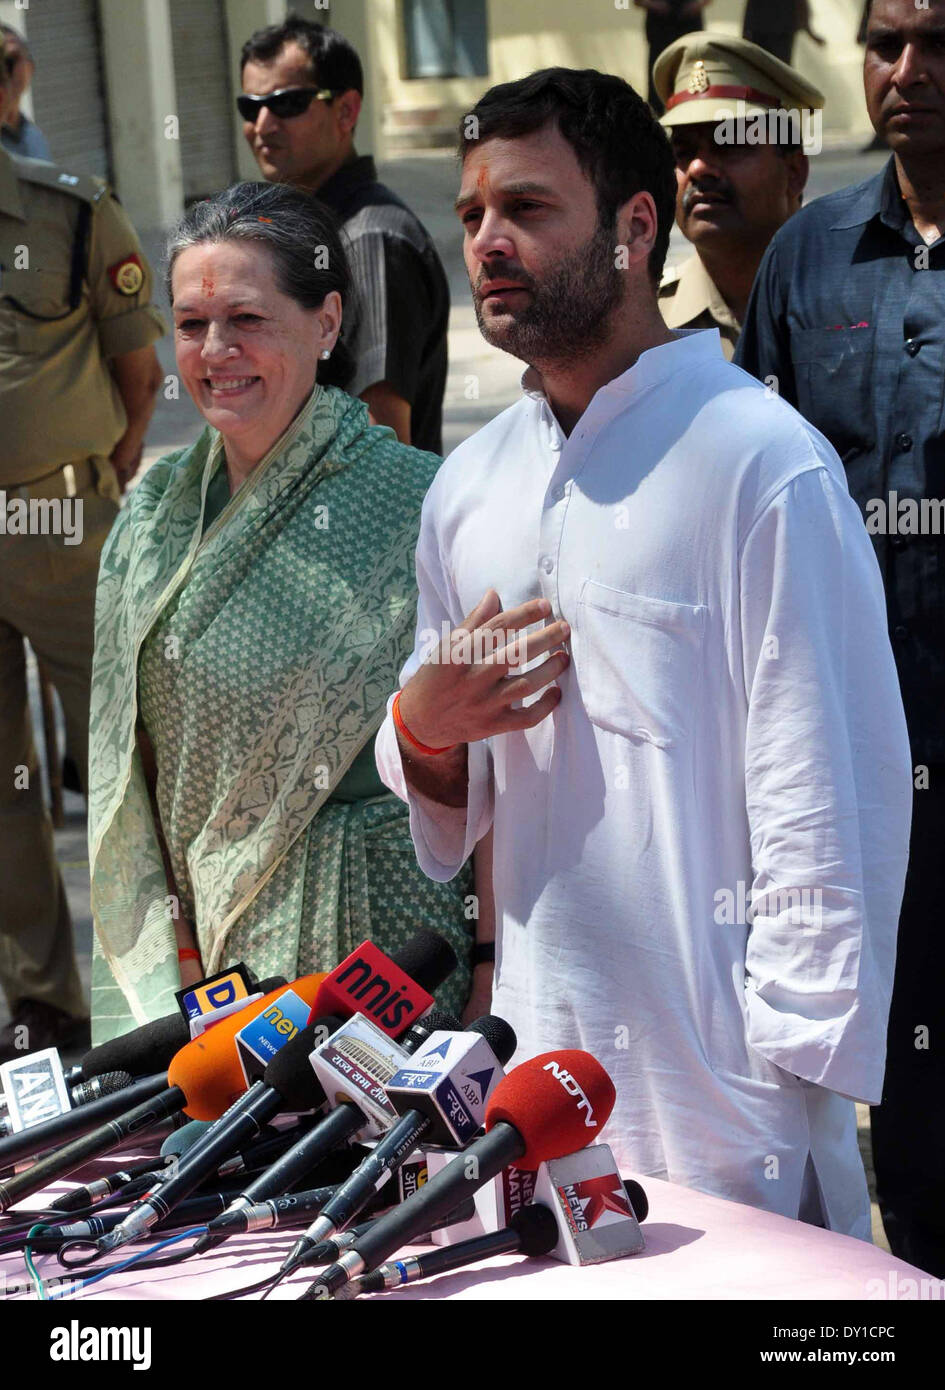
point(503, 276)
point(697, 195)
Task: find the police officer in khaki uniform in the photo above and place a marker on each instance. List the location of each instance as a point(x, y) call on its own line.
point(78, 382)
point(733, 190)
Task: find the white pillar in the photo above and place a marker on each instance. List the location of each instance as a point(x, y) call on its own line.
point(139, 74)
point(244, 17)
point(370, 28)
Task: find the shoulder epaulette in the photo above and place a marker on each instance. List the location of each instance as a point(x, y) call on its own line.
point(83, 186)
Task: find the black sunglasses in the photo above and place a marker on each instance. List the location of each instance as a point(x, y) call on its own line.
point(289, 102)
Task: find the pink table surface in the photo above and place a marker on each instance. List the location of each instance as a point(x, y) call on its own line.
point(697, 1247)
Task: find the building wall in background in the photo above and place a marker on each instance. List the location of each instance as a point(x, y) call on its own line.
point(527, 34)
point(142, 90)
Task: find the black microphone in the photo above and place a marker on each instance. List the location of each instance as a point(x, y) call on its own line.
point(288, 1083)
point(335, 1246)
point(29, 1142)
point(83, 1094)
point(533, 1231)
point(51, 1166)
point(153, 1046)
point(251, 1159)
point(550, 1106)
point(294, 1210)
point(142, 1052)
point(451, 1078)
point(346, 1120)
point(86, 1196)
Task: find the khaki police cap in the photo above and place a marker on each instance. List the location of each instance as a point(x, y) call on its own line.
point(707, 76)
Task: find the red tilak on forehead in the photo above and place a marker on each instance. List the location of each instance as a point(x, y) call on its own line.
point(207, 286)
point(482, 178)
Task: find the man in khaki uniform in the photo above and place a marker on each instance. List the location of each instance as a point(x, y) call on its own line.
point(78, 381)
point(733, 189)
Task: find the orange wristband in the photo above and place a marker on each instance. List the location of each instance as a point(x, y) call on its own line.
point(399, 722)
point(187, 953)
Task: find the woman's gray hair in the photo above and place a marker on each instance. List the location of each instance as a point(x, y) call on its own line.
point(302, 236)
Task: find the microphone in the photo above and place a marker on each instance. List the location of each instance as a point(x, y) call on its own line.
point(288, 1083)
point(83, 1094)
point(295, 1209)
point(255, 1035)
point(142, 1052)
point(87, 1196)
point(287, 1212)
point(182, 1140)
point(392, 991)
point(441, 1096)
point(353, 1067)
point(29, 1142)
point(533, 1232)
point(341, 1241)
point(204, 1077)
point(98, 1141)
point(545, 1108)
point(255, 1156)
point(153, 1045)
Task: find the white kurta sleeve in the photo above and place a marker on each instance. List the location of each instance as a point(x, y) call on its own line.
point(828, 789)
point(443, 836)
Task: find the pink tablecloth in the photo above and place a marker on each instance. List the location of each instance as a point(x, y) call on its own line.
point(697, 1247)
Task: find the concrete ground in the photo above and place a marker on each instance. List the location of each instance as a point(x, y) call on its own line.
point(481, 383)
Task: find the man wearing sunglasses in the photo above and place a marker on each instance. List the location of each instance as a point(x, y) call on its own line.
point(302, 90)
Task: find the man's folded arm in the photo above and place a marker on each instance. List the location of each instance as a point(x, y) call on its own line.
point(828, 788)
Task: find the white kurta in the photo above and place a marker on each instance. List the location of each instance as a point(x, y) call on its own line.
point(730, 733)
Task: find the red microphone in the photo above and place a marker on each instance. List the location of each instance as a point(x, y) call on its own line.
point(392, 991)
point(550, 1106)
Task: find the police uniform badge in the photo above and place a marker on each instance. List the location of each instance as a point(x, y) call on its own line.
point(698, 79)
point(127, 275)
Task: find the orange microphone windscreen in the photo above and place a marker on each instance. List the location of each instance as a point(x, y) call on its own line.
point(207, 1069)
point(559, 1103)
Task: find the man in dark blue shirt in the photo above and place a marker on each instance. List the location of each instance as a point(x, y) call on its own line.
point(847, 322)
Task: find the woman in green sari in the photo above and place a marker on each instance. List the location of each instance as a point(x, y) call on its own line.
point(256, 601)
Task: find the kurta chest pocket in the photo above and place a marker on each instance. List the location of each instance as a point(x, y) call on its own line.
point(833, 369)
point(638, 662)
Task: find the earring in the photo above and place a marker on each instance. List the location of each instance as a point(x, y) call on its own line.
point(325, 354)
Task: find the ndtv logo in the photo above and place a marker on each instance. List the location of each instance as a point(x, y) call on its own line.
point(573, 1089)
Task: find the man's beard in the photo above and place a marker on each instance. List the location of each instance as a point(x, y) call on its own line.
point(569, 313)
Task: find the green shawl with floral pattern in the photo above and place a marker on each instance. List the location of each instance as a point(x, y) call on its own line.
point(302, 595)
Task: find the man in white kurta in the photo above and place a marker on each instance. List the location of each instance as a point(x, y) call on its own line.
point(731, 726)
point(699, 854)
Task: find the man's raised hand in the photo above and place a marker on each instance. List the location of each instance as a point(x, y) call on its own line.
point(467, 690)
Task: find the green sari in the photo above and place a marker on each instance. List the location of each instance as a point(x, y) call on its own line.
point(259, 649)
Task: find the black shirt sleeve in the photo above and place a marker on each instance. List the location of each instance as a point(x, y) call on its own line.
point(393, 313)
